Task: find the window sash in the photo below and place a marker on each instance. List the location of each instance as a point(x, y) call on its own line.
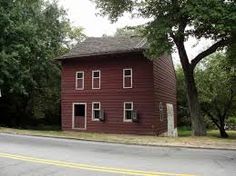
point(95, 107)
point(94, 73)
point(95, 78)
point(127, 111)
point(125, 77)
point(77, 75)
point(129, 70)
point(78, 79)
point(94, 110)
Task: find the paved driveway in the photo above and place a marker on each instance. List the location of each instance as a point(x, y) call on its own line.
point(36, 156)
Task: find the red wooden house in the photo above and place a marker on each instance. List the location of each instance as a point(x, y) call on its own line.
point(109, 86)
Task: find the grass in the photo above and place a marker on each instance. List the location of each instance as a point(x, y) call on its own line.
point(212, 140)
point(185, 132)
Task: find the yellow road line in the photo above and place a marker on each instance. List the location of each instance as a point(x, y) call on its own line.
point(87, 167)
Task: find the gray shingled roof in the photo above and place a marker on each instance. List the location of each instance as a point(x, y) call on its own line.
point(106, 45)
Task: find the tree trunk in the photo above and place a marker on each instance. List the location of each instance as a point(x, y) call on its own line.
point(223, 133)
point(198, 125)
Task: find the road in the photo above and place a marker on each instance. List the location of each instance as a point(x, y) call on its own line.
point(38, 156)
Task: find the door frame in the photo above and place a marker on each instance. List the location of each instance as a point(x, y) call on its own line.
point(85, 116)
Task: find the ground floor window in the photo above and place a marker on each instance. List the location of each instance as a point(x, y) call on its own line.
point(96, 109)
point(128, 109)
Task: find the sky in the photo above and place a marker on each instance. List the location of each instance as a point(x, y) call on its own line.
point(82, 13)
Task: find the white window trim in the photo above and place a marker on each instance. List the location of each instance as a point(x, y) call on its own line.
point(132, 108)
point(99, 78)
point(76, 81)
point(130, 76)
point(85, 116)
point(93, 119)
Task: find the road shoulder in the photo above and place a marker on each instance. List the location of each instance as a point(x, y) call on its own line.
point(179, 142)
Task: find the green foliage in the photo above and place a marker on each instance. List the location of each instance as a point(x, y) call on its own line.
point(214, 80)
point(129, 31)
point(231, 122)
point(182, 104)
point(32, 33)
point(114, 8)
point(210, 19)
point(215, 83)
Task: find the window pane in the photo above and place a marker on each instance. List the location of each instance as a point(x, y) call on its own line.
point(80, 75)
point(96, 114)
point(96, 83)
point(96, 106)
point(128, 106)
point(79, 110)
point(128, 115)
point(127, 72)
point(96, 74)
point(127, 82)
point(79, 83)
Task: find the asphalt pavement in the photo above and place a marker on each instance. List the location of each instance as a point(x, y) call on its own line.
point(41, 156)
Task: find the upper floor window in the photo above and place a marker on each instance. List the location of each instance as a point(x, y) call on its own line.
point(127, 78)
point(96, 79)
point(79, 82)
point(96, 109)
point(128, 110)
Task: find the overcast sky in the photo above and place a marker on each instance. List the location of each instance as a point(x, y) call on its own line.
point(83, 13)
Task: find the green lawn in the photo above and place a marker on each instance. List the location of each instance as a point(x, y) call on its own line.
point(212, 140)
point(184, 132)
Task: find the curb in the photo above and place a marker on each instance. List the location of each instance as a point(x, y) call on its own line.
point(123, 143)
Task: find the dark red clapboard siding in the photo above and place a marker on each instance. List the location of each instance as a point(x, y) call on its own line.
point(165, 88)
point(146, 74)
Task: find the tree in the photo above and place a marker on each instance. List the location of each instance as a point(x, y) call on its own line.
point(182, 104)
point(214, 80)
point(128, 31)
point(172, 23)
point(32, 34)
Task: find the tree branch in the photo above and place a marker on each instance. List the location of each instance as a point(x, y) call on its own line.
point(217, 109)
point(214, 120)
point(210, 50)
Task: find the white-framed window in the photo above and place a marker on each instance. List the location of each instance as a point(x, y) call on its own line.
point(128, 109)
point(127, 78)
point(96, 79)
point(96, 108)
point(79, 80)
point(161, 111)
